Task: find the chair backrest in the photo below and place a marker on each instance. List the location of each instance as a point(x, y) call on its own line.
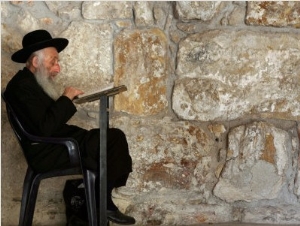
point(16, 125)
point(25, 138)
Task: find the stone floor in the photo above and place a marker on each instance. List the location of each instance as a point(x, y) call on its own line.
point(245, 224)
point(232, 224)
point(214, 224)
point(220, 224)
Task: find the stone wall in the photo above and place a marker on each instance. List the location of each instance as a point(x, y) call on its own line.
point(211, 113)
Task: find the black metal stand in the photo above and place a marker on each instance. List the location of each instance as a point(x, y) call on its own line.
point(103, 96)
point(103, 123)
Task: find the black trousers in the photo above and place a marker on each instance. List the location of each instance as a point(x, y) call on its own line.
point(119, 163)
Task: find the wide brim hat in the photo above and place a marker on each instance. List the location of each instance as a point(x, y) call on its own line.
point(36, 40)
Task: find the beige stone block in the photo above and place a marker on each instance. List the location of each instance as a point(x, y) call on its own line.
point(230, 75)
point(203, 10)
point(273, 13)
point(286, 214)
point(86, 63)
point(143, 13)
point(166, 154)
point(256, 148)
point(141, 63)
point(107, 10)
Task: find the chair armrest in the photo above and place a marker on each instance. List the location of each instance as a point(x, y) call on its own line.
point(70, 143)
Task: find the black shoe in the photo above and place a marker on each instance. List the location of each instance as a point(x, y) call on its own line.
point(119, 218)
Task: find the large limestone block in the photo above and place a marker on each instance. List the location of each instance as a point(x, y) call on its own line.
point(67, 10)
point(283, 214)
point(203, 10)
point(168, 154)
point(87, 61)
point(141, 63)
point(253, 149)
point(25, 16)
point(171, 208)
point(23, 22)
point(228, 75)
point(143, 13)
point(107, 10)
point(273, 13)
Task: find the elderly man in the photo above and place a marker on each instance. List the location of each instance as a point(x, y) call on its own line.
point(44, 112)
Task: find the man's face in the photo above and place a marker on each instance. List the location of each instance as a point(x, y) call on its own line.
point(51, 62)
point(46, 71)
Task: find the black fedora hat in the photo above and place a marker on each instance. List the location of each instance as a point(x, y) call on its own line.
point(36, 40)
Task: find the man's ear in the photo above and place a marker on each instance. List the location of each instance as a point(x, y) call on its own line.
point(35, 61)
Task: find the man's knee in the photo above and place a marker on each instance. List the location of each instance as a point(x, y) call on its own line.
point(117, 132)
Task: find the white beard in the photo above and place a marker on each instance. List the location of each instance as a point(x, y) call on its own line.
point(46, 82)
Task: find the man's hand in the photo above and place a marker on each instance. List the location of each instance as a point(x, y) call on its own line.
point(72, 92)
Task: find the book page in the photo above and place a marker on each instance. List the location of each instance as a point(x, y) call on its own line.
point(95, 95)
point(97, 90)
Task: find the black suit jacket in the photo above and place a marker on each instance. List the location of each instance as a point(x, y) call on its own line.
point(42, 116)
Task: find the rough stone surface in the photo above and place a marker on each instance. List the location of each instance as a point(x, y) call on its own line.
point(273, 215)
point(168, 154)
point(170, 157)
point(141, 64)
point(240, 73)
point(143, 13)
point(188, 10)
point(67, 10)
point(106, 10)
point(277, 14)
point(253, 149)
point(211, 113)
point(88, 56)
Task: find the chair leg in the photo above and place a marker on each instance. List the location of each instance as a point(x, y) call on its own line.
point(32, 200)
point(90, 183)
point(29, 177)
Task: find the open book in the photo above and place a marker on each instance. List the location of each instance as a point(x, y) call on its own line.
point(95, 94)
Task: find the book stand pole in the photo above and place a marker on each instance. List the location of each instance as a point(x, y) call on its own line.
point(103, 125)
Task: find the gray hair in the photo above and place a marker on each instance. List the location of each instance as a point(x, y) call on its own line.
point(40, 55)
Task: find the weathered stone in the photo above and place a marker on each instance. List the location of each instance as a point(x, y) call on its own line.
point(156, 209)
point(228, 75)
point(217, 129)
point(237, 16)
point(252, 149)
point(189, 10)
point(160, 13)
point(288, 214)
point(67, 10)
point(167, 154)
point(141, 64)
point(27, 22)
point(277, 14)
point(87, 61)
point(233, 76)
point(106, 10)
point(124, 24)
point(143, 13)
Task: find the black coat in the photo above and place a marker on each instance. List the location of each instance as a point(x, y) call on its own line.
point(43, 116)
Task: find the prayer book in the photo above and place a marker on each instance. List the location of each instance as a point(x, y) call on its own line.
point(93, 95)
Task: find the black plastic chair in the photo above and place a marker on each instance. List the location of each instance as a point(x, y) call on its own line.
point(32, 179)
